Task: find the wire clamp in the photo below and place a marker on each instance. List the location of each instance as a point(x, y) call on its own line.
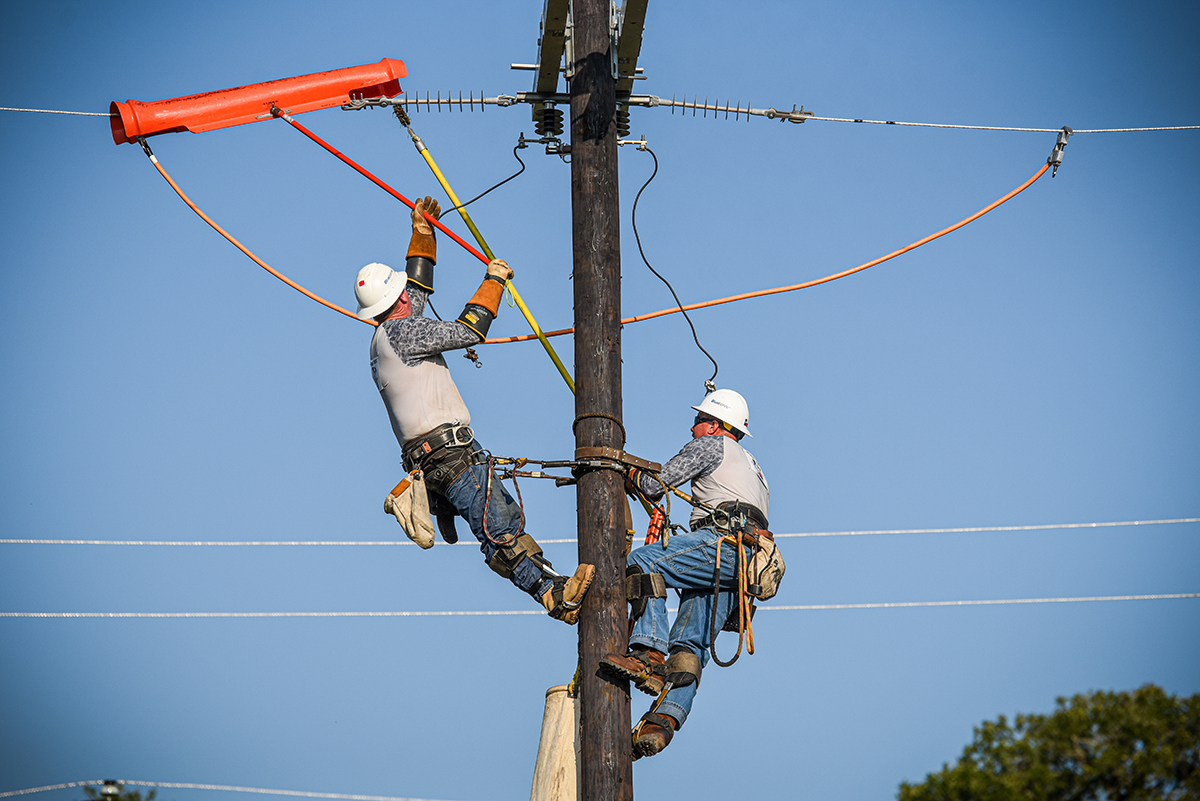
point(641, 143)
point(795, 115)
point(1056, 155)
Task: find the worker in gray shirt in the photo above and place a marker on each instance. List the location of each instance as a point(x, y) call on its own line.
point(727, 484)
point(432, 424)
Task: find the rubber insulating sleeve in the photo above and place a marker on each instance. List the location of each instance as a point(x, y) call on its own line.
point(477, 318)
point(483, 306)
point(420, 272)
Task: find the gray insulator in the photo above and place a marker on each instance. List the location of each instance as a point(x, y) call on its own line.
point(551, 122)
point(622, 119)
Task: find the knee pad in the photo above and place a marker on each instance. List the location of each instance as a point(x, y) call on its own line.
point(684, 668)
point(640, 587)
point(506, 558)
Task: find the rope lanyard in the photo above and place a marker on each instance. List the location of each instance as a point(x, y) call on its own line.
point(744, 602)
point(793, 287)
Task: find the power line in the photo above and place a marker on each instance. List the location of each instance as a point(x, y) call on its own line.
point(244, 543)
point(973, 529)
point(650, 100)
point(911, 604)
point(1001, 128)
point(51, 111)
point(225, 787)
point(513, 613)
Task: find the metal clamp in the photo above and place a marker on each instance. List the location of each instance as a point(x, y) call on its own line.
point(795, 115)
point(1056, 155)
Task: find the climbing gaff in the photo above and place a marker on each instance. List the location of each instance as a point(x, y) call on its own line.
point(537, 330)
point(243, 104)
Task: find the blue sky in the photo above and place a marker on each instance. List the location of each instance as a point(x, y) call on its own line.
point(1038, 366)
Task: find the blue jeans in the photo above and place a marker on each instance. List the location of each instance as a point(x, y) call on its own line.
point(468, 494)
point(688, 564)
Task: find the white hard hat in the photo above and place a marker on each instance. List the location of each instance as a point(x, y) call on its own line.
point(376, 288)
point(728, 407)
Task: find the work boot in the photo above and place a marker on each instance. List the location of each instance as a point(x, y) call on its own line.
point(652, 734)
point(645, 667)
point(563, 598)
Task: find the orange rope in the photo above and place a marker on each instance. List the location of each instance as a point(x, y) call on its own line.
point(636, 318)
point(241, 247)
point(792, 288)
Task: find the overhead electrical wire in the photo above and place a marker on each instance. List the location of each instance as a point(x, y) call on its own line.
point(52, 111)
point(637, 238)
point(225, 787)
point(493, 187)
point(805, 285)
point(343, 543)
point(1001, 128)
point(806, 117)
point(524, 612)
point(539, 334)
point(239, 245)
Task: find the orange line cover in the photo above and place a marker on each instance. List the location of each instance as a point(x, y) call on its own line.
point(227, 107)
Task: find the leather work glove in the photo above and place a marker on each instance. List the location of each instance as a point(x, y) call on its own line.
point(426, 206)
point(500, 269)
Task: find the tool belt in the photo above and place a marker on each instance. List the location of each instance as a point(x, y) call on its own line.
point(756, 521)
point(443, 454)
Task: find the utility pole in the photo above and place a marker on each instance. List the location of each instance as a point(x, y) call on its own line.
point(606, 769)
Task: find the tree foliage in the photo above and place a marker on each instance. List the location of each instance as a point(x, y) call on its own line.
point(124, 795)
point(1138, 746)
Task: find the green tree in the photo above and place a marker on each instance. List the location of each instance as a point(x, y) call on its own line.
point(121, 793)
point(1138, 746)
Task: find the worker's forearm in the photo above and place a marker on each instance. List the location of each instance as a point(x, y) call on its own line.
point(483, 306)
point(422, 256)
point(695, 460)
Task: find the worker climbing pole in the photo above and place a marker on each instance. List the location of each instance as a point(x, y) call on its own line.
point(606, 767)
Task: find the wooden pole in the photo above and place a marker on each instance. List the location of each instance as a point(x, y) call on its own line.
point(606, 769)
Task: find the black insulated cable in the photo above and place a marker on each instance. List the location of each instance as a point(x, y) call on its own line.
point(710, 384)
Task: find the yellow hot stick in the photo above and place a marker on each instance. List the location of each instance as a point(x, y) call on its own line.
point(488, 252)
